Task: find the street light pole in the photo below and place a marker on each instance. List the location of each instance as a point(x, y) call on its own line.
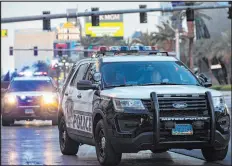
point(177, 43)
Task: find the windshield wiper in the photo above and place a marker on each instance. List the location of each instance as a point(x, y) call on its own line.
point(121, 85)
point(161, 83)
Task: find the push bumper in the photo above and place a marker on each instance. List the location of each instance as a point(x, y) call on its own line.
point(145, 141)
point(151, 140)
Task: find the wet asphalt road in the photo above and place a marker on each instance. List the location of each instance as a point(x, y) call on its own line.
point(36, 143)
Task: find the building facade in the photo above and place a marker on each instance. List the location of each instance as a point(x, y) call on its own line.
point(28, 39)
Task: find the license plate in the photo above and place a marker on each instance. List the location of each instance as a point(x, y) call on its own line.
point(182, 129)
point(29, 111)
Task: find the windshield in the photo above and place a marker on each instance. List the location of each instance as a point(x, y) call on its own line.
point(31, 85)
point(146, 73)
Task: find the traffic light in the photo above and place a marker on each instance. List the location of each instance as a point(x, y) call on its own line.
point(230, 11)
point(95, 19)
point(143, 15)
point(35, 51)
point(46, 22)
point(189, 12)
point(11, 51)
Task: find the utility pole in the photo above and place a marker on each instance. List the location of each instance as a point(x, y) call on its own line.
point(177, 44)
point(190, 25)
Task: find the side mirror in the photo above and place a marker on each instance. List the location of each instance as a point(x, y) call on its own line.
point(86, 85)
point(97, 77)
point(205, 81)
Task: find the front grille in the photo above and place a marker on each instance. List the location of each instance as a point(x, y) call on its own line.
point(196, 105)
point(29, 101)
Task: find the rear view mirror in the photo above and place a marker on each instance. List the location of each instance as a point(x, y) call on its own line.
point(86, 85)
point(205, 81)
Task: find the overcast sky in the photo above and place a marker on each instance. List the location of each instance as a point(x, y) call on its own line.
point(14, 9)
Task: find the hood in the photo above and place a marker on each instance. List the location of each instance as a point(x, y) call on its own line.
point(30, 93)
point(143, 92)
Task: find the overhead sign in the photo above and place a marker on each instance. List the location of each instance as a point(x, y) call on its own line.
point(110, 25)
point(4, 32)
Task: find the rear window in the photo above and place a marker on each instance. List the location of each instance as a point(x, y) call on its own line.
point(31, 85)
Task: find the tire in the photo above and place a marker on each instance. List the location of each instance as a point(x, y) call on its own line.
point(7, 122)
point(55, 121)
point(67, 145)
point(159, 151)
point(211, 154)
point(106, 156)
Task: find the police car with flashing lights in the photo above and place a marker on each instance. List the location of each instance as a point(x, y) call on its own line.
point(125, 104)
point(29, 98)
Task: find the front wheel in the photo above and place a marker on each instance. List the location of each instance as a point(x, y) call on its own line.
point(67, 145)
point(211, 154)
point(105, 152)
point(55, 121)
point(7, 122)
point(159, 151)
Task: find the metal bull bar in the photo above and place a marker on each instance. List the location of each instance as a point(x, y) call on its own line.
point(156, 121)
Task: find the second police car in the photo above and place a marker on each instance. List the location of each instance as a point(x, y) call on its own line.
point(29, 98)
point(125, 104)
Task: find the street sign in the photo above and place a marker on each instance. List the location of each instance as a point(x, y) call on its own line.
point(4, 32)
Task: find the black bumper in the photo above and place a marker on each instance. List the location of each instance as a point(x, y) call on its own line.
point(129, 135)
point(40, 113)
point(145, 141)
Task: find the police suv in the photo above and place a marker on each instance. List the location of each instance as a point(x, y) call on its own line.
point(29, 98)
point(140, 101)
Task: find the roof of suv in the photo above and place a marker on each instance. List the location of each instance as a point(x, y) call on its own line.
point(137, 58)
point(44, 78)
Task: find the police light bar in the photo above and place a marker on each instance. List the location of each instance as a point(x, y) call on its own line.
point(124, 48)
point(136, 52)
point(25, 73)
point(40, 74)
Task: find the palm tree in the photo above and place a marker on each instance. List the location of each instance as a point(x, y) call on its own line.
point(25, 68)
point(201, 28)
point(40, 66)
point(222, 51)
point(202, 31)
point(87, 41)
point(106, 41)
point(146, 39)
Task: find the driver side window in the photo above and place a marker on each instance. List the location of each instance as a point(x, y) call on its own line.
point(90, 73)
point(79, 75)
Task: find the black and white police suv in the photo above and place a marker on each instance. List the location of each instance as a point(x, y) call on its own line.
point(125, 104)
point(29, 98)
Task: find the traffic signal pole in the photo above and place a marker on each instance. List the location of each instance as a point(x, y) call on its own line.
point(96, 13)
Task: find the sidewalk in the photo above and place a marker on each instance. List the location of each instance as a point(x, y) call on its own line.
point(226, 93)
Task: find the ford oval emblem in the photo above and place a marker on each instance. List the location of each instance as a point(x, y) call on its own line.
point(180, 105)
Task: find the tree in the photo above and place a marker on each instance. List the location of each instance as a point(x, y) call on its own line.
point(40, 66)
point(106, 41)
point(201, 28)
point(87, 41)
point(146, 39)
point(25, 68)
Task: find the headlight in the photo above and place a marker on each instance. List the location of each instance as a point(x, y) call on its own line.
point(219, 103)
point(121, 104)
point(10, 99)
point(49, 98)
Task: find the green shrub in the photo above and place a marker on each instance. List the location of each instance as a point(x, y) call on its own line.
point(222, 87)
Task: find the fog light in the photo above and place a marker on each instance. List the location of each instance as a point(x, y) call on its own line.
point(198, 124)
point(23, 97)
point(224, 122)
point(169, 125)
